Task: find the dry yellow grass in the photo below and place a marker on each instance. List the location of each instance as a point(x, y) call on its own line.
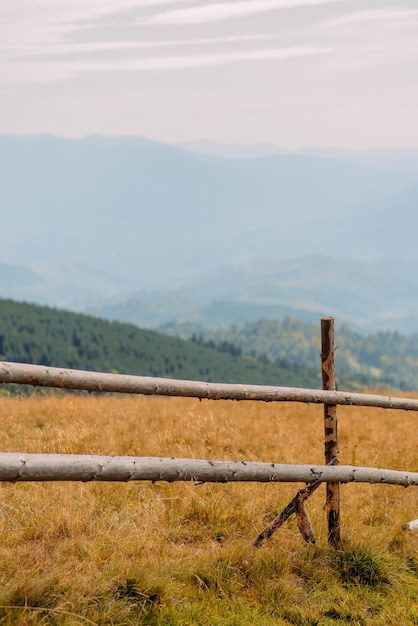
point(138, 553)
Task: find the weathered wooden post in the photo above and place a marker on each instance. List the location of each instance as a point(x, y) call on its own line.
point(330, 426)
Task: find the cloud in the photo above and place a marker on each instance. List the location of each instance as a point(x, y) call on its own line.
point(206, 60)
point(229, 10)
point(113, 46)
point(74, 9)
point(31, 22)
point(371, 16)
point(46, 72)
point(372, 38)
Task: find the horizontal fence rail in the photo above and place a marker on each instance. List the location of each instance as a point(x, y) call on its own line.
point(17, 467)
point(43, 376)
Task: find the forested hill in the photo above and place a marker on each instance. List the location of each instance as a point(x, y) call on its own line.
point(379, 359)
point(41, 335)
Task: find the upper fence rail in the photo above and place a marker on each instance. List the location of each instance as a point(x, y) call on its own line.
point(44, 376)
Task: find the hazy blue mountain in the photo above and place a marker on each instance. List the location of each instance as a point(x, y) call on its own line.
point(15, 278)
point(370, 295)
point(147, 232)
point(153, 213)
point(230, 150)
point(397, 214)
point(57, 285)
point(405, 159)
point(158, 309)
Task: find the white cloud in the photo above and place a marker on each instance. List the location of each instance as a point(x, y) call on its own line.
point(229, 10)
point(30, 22)
point(28, 72)
point(371, 16)
point(384, 37)
point(206, 60)
point(75, 9)
point(113, 46)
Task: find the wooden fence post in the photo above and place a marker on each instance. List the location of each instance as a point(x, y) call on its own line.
point(330, 427)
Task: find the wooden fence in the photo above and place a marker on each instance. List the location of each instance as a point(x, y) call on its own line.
point(18, 466)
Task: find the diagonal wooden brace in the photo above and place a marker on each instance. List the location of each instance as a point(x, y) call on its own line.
point(296, 506)
point(304, 523)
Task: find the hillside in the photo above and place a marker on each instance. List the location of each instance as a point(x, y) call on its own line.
point(379, 358)
point(41, 335)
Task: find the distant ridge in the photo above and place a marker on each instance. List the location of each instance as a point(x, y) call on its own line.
point(231, 150)
point(371, 296)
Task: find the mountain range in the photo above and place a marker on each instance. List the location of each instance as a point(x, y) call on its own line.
point(212, 233)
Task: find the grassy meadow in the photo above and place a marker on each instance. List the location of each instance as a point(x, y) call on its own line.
point(181, 554)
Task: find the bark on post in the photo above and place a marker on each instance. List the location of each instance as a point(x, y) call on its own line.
point(330, 426)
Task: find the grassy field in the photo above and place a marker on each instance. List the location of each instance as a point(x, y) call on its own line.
point(181, 554)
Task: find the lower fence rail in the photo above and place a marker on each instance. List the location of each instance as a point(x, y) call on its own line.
point(18, 467)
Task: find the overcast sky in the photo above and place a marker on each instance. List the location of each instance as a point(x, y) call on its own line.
point(295, 73)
